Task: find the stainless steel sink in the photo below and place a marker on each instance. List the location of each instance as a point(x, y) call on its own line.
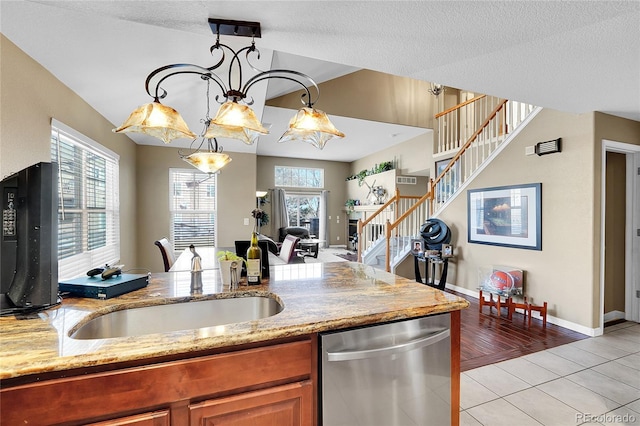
point(178, 316)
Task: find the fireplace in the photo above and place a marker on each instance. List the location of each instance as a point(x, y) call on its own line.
point(352, 236)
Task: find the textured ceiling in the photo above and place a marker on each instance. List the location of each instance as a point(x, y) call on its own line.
point(573, 56)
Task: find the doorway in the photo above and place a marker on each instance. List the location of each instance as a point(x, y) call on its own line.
point(615, 156)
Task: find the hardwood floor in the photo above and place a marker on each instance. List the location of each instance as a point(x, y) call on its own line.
point(487, 338)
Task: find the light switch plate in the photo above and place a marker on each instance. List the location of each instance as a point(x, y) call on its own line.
point(246, 221)
point(530, 150)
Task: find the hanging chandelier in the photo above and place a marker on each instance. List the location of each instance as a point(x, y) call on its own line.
point(235, 118)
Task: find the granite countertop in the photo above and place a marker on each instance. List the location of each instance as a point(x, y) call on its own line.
point(316, 297)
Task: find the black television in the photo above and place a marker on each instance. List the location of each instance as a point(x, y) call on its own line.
point(29, 239)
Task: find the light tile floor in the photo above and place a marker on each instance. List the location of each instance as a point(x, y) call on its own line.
point(593, 381)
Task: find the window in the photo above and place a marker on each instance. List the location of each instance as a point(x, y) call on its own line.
point(88, 205)
point(193, 208)
point(299, 177)
point(303, 211)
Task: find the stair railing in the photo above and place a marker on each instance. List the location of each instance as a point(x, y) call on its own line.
point(373, 227)
point(503, 117)
point(450, 122)
point(468, 158)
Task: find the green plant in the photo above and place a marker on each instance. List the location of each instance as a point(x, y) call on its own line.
point(229, 255)
point(378, 168)
point(384, 166)
point(350, 204)
point(361, 175)
point(264, 220)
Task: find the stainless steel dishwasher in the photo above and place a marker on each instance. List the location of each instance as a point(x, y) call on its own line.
point(388, 375)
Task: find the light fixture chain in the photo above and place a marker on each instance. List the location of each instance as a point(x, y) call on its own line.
point(208, 117)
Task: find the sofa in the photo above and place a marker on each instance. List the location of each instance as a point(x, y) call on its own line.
point(273, 246)
point(296, 231)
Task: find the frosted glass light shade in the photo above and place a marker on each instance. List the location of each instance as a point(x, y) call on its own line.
point(312, 126)
point(208, 162)
point(160, 121)
point(236, 121)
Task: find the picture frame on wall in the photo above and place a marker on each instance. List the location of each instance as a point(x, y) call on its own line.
point(508, 216)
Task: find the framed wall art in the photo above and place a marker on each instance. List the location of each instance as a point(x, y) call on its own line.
point(509, 216)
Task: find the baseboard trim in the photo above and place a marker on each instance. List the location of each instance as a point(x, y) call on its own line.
point(550, 319)
point(613, 316)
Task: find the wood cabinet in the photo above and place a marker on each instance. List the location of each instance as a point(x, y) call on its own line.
point(156, 418)
point(287, 405)
point(267, 385)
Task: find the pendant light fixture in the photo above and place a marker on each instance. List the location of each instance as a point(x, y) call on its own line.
point(209, 161)
point(436, 89)
point(235, 118)
point(157, 120)
point(311, 125)
point(213, 159)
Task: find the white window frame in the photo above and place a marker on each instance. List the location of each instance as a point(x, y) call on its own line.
point(306, 194)
point(78, 264)
point(292, 169)
point(210, 190)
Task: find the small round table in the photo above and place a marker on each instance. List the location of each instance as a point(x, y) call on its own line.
point(309, 248)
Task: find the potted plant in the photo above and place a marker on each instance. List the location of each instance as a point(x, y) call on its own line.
point(350, 204)
point(226, 258)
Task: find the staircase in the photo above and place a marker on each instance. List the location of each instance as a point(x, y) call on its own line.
point(474, 132)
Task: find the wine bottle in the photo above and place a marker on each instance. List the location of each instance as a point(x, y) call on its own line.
point(254, 259)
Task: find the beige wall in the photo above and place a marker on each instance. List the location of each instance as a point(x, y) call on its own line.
point(566, 272)
point(335, 174)
point(31, 97)
point(607, 127)
point(614, 275)
point(560, 274)
point(375, 96)
point(236, 199)
point(412, 157)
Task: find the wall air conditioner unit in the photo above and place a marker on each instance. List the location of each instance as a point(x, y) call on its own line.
point(406, 180)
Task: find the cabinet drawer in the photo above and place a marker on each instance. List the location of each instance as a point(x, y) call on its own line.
point(156, 418)
point(287, 405)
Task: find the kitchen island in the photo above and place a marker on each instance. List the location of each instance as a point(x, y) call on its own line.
point(40, 360)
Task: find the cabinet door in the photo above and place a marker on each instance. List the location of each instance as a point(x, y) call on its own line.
point(287, 405)
point(156, 418)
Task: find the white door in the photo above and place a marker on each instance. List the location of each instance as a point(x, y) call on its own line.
point(632, 230)
point(632, 299)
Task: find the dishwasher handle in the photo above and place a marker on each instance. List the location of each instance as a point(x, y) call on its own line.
point(421, 342)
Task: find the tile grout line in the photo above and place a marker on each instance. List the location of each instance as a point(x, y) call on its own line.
point(562, 376)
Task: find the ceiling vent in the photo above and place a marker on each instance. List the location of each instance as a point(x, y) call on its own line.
point(406, 180)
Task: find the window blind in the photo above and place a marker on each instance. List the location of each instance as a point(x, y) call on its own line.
point(88, 204)
point(193, 208)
